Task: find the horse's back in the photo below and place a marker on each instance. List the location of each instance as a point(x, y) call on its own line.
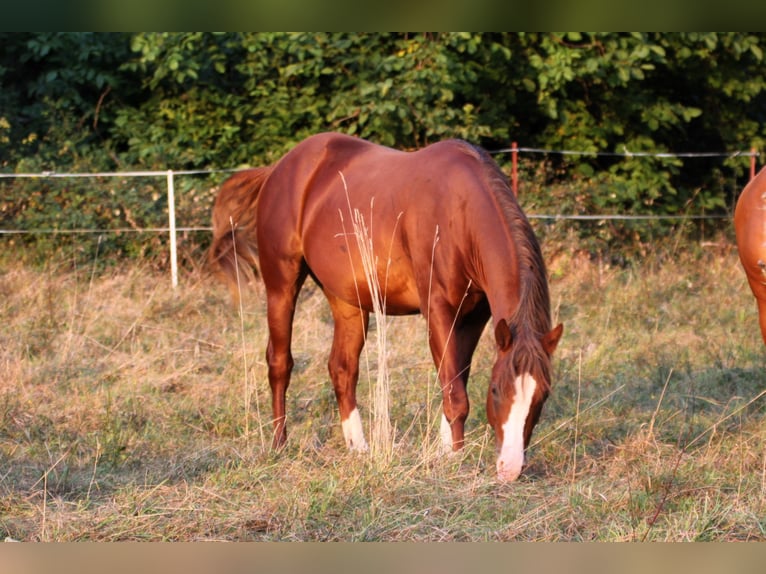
point(331, 171)
point(331, 152)
point(406, 200)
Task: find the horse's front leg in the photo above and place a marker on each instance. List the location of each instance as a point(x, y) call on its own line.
point(348, 340)
point(452, 347)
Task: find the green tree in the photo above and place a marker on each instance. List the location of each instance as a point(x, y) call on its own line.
point(203, 100)
point(59, 96)
point(227, 99)
point(646, 93)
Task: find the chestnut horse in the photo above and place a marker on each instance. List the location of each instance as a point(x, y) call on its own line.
point(750, 228)
point(451, 242)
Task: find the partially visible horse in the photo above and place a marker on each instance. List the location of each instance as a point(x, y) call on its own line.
point(451, 243)
point(750, 228)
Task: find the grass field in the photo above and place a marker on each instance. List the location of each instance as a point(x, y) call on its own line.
point(131, 411)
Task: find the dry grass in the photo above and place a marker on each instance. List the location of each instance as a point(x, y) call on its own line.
point(122, 416)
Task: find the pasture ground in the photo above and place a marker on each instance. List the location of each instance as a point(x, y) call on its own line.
point(131, 411)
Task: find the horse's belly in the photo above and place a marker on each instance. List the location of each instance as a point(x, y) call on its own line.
point(396, 290)
point(404, 302)
point(395, 298)
point(335, 257)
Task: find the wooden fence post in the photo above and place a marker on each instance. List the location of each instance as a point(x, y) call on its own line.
point(752, 162)
point(515, 168)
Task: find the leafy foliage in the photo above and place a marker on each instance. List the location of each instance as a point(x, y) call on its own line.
point(91, 101)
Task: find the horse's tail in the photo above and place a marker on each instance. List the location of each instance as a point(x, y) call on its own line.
point(233, 254)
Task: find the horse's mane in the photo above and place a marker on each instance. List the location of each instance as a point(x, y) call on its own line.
point(531, 320)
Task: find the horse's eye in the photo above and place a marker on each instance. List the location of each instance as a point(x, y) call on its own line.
point(494, 390)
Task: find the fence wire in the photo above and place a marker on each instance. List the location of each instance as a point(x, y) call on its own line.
point(627, 153)
point(172, 229)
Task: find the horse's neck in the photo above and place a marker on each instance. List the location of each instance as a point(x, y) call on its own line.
point(499, 278)
point(512, 282)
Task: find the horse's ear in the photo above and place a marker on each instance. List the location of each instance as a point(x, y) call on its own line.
point(551, 339)
point(503, 336)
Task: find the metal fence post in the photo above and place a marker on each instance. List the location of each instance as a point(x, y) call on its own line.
point(172, 226)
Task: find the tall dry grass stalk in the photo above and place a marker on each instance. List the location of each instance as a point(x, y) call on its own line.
point(576, 417)
point(246, 384)
point(431, 448)
point(381, 433)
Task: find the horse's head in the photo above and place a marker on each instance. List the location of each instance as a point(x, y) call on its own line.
point(520, 384)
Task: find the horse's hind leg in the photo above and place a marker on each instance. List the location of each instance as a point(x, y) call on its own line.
point(348, 340)
point(756, 277)
point(759, 289)
point(762, 317)
point(282, 290)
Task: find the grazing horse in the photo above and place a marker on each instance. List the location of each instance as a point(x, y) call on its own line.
point(450, 242)
point(750, 228)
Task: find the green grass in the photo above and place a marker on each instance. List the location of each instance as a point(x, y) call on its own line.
point(122, 415)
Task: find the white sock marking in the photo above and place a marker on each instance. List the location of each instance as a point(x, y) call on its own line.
point(353, 432)
point(511, 458)
point(445, 431)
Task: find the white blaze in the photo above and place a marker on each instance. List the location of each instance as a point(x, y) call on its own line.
point(353, 433)
point(510, 460)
